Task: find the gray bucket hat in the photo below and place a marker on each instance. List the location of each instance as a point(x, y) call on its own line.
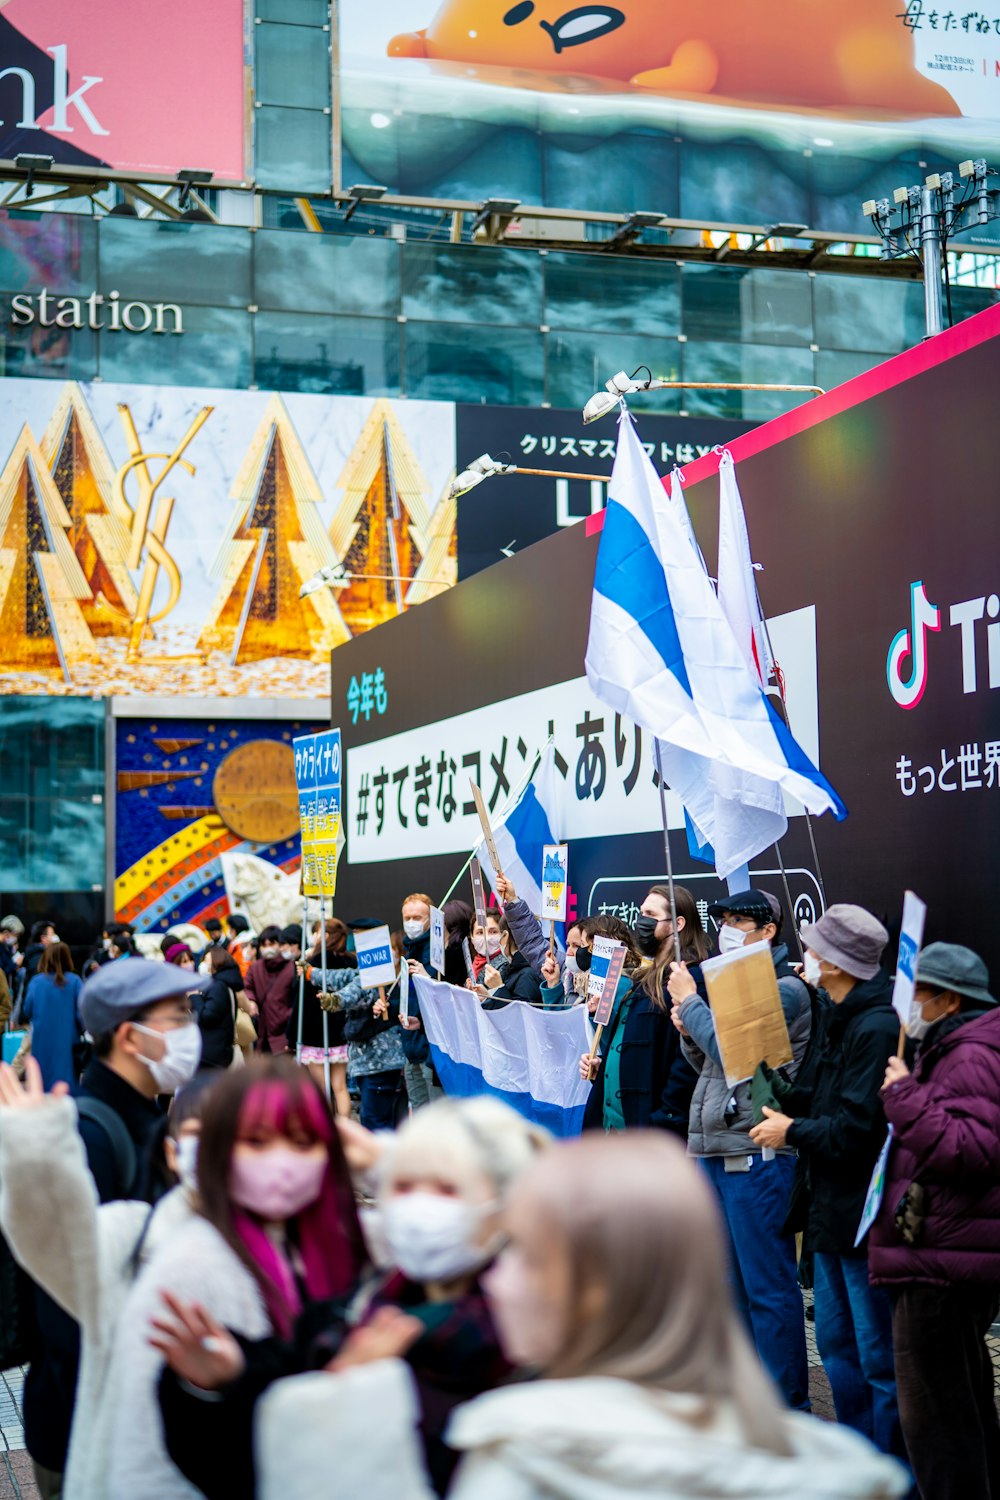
point(849, 937)
point(949, 966)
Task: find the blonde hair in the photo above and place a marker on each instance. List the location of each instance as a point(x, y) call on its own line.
point(461, 1140)
point(419, 896)
point(638, 1222)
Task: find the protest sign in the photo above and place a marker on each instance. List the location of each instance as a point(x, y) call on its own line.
point(601, 955)
point(326, 828)
point(746, 1009)
point(376, 966)
point(555, 865)
point(304, 751)
point(910, 938)
point(404, 991)
point(478, 894)
point(876, 1192)
point(484, 819)
point(437, 939)
point(606, 1003)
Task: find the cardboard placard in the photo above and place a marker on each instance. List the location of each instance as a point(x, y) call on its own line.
point(437, 939)
point(746, 1009)
point(606, 1003)
point(602, 952)
point(404, 991)
point(376, 964)
point(910, 939)
point(484, 819)
point(555, 871)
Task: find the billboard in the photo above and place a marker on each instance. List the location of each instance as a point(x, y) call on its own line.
point(885, 621)
point(126, 87)
point(156, 540)
point(206, 821)
point(736, 114)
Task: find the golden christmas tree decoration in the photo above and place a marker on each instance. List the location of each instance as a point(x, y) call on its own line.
point(42, 624)
point(275, 541)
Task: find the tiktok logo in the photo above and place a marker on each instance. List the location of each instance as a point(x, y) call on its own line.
point(912, 643)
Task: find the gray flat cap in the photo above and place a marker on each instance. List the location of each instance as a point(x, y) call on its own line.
point(121, 989)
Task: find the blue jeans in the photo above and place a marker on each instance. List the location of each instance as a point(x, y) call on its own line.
point(854, 1339)
point(378, 1099)
point(764, 1267)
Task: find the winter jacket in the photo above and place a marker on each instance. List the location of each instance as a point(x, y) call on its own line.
point(51, 1011)
point(721, 1115)
point(584, 1439)
point(416, 1048)
point(32, 958)
point(216, 1016)
point(84, 1256)
point(197, 1264)
point(527, 933)
point(841, 1127)
point(51, 1382)
point(945, 1122)
point(271, 987)
point(344, 982)
point(520, 983)
point(655, 1079)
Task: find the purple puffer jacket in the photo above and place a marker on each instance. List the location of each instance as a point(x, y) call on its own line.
point(946, 1136)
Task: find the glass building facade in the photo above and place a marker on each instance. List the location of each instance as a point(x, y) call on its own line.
point(355, 314)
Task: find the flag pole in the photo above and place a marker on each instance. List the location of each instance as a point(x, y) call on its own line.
point(666, 845)
point(788, 900)
point(510, 803)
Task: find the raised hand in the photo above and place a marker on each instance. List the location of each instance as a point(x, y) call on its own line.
point(196, 1347)
point(32, 1094)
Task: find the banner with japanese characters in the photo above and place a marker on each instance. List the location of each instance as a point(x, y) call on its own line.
point(872, 517)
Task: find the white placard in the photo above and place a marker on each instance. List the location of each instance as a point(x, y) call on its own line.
point(911, 937)
point(376, 964)
point(602, 953)
point(555, 877)
point(437, 939)
point(404, 991)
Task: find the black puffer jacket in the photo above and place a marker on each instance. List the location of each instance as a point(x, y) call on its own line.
point(840, 1128)
point(520, 983)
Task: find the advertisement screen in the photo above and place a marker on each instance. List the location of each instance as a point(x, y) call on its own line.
point(125, 85)
point(157, 540)
point(725, 113)
point(884, 621)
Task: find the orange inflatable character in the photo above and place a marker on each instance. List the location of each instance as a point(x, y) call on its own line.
point(849, 55)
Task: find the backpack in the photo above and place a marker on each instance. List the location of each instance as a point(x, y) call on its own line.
point(18, 1326)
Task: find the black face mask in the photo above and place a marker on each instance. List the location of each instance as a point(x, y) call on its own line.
point(583, 958)
point(645, 935)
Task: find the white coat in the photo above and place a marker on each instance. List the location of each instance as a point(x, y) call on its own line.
point(587, 1439)
point(81, 1253)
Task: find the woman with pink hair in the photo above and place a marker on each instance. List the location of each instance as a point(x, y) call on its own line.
point(276, 1231)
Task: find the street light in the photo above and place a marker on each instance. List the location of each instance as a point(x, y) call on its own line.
point(363, 192)
point(483, 467)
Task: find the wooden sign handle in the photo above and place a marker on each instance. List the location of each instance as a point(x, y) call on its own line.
point(901, 1048)
point(593, 1050)
point(552, 936)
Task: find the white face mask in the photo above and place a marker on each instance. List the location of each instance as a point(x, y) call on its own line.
point(413, 928)
point(433, 1238)
point(917, 1025)
point(572, 967)
point(181, 1056)
point(811, 971)
point(495, 951)
point(187, 1162)
point(730, 938)
point(205, 967)
point(287, 953)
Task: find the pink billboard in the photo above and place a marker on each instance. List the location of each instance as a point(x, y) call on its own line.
point(126, 85)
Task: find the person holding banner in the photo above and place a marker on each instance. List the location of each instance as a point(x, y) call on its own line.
point(555, 993)
point(640, 1076)
point(838, 1130)
point(936, 1241)
point(512, 977)
point(755, 1195)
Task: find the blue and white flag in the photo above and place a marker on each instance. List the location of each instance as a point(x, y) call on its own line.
point(662, 652)
point(522, 833)
point(530, 1058)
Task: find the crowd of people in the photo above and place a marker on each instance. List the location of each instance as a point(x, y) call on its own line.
point(250, 1248)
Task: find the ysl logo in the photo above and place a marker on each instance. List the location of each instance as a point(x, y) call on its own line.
point(912, 643)
point(147, 534)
